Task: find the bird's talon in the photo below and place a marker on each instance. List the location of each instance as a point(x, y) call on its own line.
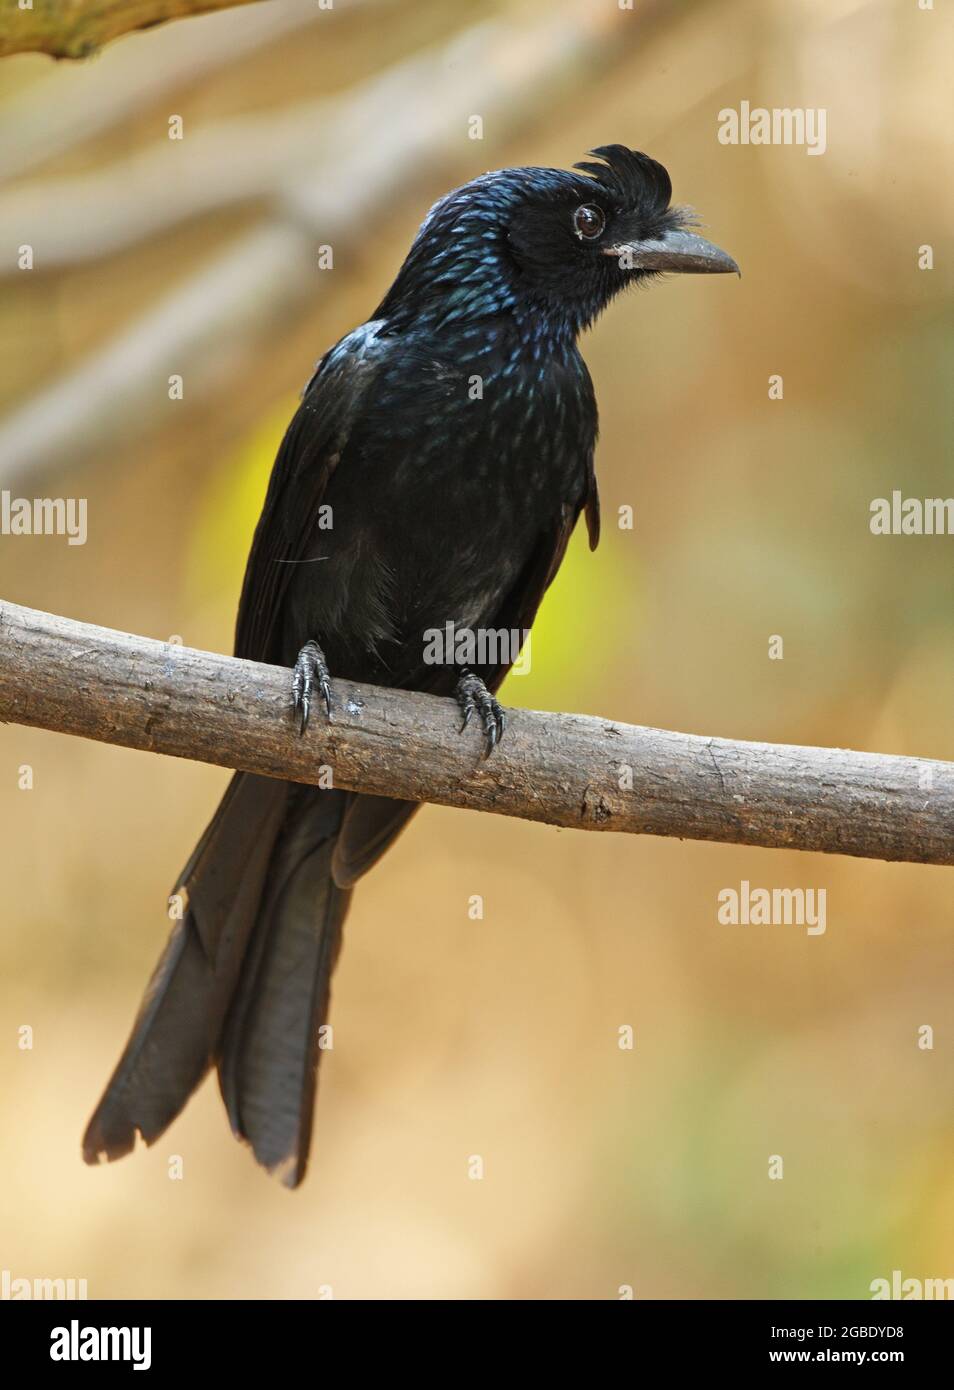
point(311, 672)
point(472, 695)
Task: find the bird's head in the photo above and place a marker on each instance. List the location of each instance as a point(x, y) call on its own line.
point(548, 242)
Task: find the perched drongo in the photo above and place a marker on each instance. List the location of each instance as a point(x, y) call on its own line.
point(432, 475)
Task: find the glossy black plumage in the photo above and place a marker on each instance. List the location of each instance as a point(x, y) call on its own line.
point(452, 438)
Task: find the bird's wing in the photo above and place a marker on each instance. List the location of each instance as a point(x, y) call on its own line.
point(591, 507)
point(309, 453)
point(519, 609)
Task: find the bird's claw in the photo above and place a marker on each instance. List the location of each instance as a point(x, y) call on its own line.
point(474, 698)
point(311, 673)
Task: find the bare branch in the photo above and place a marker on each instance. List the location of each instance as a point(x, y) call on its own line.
point(561, 769)
point(77, 28)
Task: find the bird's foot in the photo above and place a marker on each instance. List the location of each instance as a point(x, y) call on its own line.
point(311, 674)
point(473, 697)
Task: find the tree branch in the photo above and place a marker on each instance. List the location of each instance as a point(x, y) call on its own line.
point(77, 28)
point(562, 769)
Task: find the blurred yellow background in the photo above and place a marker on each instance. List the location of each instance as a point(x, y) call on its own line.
point(604, 1168)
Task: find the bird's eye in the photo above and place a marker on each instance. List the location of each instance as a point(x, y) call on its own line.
point(588, 221)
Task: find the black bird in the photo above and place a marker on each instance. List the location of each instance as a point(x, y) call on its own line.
point(450, 442)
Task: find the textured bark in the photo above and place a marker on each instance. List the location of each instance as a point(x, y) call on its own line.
point(77, 28)
point(562, 769)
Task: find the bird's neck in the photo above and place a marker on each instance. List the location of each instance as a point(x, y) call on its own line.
point(545, 327)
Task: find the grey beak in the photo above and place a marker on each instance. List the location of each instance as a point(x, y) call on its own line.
point(676, 250)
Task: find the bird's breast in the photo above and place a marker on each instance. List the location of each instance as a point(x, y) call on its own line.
point(458, 466)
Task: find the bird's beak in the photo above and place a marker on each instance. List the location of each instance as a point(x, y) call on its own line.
point(675, 250)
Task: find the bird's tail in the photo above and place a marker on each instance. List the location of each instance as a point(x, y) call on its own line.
point(243, 982)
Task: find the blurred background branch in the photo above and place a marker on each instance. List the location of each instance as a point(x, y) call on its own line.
point(61, 109)
point(562, 769)
point(77, 28)
point(395, 128)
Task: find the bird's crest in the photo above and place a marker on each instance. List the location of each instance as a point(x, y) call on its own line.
point(631, 177)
